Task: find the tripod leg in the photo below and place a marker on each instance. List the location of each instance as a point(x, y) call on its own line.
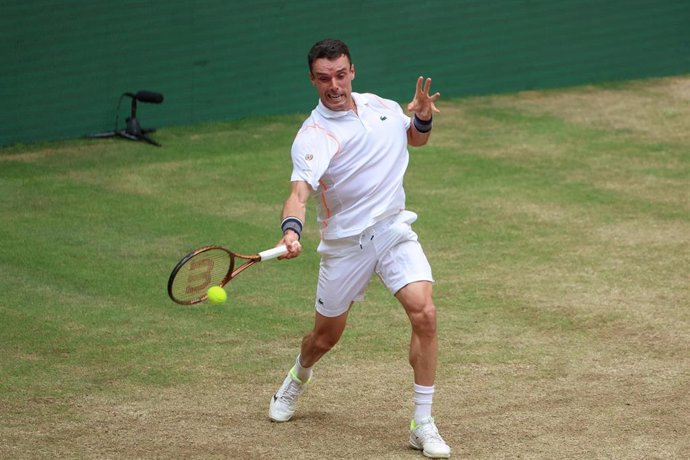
point(102, 135)
point(126, 135)
point(149, 140)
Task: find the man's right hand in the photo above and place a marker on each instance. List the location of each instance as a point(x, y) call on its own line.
point(291, 242)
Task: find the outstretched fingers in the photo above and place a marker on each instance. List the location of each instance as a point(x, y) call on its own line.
point(424, 103)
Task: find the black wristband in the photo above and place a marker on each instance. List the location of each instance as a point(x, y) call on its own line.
point(292, 223)
point(423, 126)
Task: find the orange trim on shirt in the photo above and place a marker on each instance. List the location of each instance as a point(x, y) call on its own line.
point(323, 185)
point(325, 131)
point(324, 201)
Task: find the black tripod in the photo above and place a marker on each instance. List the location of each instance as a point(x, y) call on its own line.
point(133, 130)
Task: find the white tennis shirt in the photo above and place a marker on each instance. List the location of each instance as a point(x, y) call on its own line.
point(354, 162)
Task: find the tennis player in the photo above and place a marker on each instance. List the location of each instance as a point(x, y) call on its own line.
point(351, 156)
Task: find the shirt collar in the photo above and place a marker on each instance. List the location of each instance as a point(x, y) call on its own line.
point(360, 99)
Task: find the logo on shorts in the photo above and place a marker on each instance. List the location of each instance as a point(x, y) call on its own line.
point(383, 118)
point(308, 157)
point(320, 302)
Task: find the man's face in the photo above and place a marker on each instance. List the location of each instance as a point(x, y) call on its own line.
point(333, 82)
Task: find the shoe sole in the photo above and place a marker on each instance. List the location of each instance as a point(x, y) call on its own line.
point(425, 453)
point(274, 419)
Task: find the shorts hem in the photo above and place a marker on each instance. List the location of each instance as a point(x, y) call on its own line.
point(412, 279)
point(329, 314)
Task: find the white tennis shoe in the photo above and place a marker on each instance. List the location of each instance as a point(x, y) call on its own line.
point(424, 436)
point(284, 402)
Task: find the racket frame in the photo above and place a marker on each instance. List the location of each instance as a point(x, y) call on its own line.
point(232, 272)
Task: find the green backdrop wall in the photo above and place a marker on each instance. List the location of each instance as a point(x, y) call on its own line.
point(65, 63)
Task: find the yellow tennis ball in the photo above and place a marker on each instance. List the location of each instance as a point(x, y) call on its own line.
point(217, 295)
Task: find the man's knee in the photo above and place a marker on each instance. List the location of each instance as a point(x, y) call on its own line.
point(423, 319)
point(418, 302)
point(322, 342)
point(326, 333)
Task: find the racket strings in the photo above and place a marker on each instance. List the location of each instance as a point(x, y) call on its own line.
point(201, 271)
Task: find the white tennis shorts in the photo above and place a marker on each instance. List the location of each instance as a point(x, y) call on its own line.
point(389, 248)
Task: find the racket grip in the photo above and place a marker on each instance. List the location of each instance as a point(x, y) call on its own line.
point(273, 253)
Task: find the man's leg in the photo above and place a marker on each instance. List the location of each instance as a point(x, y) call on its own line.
point(417, 300)
point(420, 308)
point(326, 333)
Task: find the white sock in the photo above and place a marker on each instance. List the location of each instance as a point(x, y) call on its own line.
point(423, 397)
point(303, 373)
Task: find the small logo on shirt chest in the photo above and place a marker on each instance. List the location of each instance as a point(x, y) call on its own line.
point(383, 118)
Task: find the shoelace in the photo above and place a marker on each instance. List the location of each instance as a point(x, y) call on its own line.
point(291, 393)
point(429, 432)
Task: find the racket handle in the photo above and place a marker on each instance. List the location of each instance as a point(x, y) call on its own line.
point(273, 253)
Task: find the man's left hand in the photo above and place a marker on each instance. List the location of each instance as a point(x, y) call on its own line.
point(423, 104)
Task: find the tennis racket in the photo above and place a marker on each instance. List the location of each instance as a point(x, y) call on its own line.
point(210, 266)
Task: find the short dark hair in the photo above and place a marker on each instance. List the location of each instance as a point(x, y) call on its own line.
point(330, 49)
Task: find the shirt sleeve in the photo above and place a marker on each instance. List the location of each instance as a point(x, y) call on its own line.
point(312, 152)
